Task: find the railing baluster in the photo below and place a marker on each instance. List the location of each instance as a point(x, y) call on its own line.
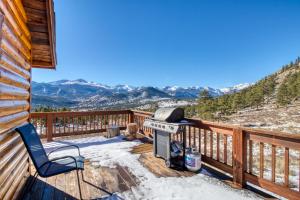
point(106, 121)
point(64, 125)
point(98, 122)
point(68, 124)
point(57, 120)
point(286, 166)
point(180, 137)
point(199, 148)
point(101, 121)
point(92, 124)
point(80, 124)
point(73, 124)
point(84, 127)
point(194, 135)
point(250, 156)
point(85, 123)
point(90, 121)
point(205, 141)
point(95, 122)
point(77, 124)
point(211, 144)
point(189, 136)
point(273, 162)
point(92, 117)
point(218, 147)
point(225, 148)
point(261, 160)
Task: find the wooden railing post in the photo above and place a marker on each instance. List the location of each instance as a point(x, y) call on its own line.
point(131, 117)
point(239, 157)
point(49, 127)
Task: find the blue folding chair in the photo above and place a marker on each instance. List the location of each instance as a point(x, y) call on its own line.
point(46, 167)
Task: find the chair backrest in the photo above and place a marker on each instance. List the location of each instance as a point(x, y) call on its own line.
point(33, 145)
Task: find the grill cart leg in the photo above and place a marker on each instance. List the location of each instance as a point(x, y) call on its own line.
point(168, 163)
point(155, 144)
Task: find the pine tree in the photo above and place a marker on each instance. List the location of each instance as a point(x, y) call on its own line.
point(204, 95)
point(282, 95)
point(237, 102)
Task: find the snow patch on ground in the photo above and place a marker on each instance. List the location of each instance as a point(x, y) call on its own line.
point(109, 152)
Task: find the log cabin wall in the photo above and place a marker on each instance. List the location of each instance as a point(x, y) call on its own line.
point(15, 77)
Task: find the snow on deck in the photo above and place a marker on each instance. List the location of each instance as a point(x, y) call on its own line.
point(105, 152)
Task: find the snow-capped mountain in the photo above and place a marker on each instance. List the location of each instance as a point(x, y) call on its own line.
point(189, 92)
point(236, 88)
point(91, 94)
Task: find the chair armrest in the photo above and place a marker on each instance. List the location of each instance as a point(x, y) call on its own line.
point(59, 158)
point(65, 147)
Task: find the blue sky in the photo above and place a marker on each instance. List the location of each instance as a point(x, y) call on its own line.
point(213, 43)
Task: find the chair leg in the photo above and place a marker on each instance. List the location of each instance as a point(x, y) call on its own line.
point(29, 185)
point(79, 184)
point(35, 177)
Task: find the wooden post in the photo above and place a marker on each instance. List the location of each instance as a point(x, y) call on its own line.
point(49, 127)
point(239, 156)
point(131, 117)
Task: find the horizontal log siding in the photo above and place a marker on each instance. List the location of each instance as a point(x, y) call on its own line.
point(15, 74)
point(232, 149)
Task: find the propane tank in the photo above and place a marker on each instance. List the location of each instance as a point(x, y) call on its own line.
point(192, 160)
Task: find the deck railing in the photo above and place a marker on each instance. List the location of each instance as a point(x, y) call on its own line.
point(57, 124)
point(268, 159)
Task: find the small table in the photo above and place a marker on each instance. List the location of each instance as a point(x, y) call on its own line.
point(113, 131)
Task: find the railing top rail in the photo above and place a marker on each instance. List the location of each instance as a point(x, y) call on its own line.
point(101, 112)
point(142, 112)
point(257, 131)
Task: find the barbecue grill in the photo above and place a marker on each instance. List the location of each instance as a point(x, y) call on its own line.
point(165, 123)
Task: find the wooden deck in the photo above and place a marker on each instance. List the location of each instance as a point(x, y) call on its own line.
point(117, 179)
point(113, 180)
point(65, 186)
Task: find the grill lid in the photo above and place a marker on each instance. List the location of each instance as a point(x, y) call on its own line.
point(171, 115)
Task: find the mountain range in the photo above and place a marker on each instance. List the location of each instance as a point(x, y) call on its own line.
point(87, 95)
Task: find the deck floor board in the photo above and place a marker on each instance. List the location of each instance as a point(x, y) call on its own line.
point(64, 186)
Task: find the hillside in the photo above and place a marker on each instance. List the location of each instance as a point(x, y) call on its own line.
point(269, 116)
point(271, 103)
point(81, 94)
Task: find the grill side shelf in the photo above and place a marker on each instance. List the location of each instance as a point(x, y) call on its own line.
point(164, 126)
